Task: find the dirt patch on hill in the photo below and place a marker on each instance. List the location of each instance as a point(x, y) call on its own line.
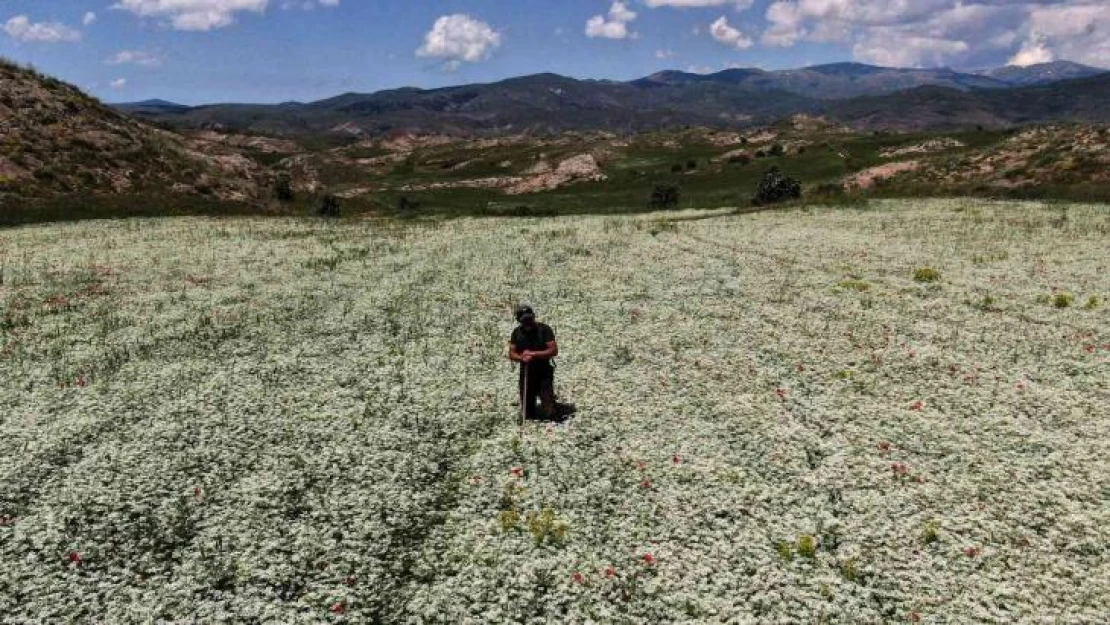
point(581, 168)
point(928, 147)
point(540, 177)
point(868, 177)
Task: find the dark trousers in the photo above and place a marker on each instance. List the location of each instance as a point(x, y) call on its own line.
point(541, 385)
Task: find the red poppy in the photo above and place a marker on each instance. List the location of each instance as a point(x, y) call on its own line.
point(899, 468)
point(917, 405)
point(915, 617)
point(1090, 348)
point(74, 558)
point(649, 559)
point(971, 552)
point(677, 459)
point(610, 572)
point(781, 392)
point(517, 471)
point(884, 448)
point(338, 608)
point(81, 381)
point(646, 483)
point(579, 578)
point(641, 465)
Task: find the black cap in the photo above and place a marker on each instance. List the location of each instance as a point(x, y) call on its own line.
point(524, 311)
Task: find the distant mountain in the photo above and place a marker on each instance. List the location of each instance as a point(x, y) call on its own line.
point(863, 95)
point(936, 108)
point(151, 107)
point(831, 82)
point(1041, 74)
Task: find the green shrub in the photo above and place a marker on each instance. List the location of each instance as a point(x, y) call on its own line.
point(931, 533)
point(1092, 302)
point(852, 284)
point(283, 188)
point(776, 187)
point(328, 206)
point(1063, 300)
point(807, 546)
point(546, 528)
point(849, 570)
point(777, 150)
point(664, 196)
point(926, 274)
point(785, 550)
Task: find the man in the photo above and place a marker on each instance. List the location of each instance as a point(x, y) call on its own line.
point(533, 346)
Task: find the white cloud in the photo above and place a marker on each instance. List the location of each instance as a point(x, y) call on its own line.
point(21, 28)
point(308, 5)
point(192, 14)
point(726, 34)
point(613, 26)
point(89, 18)
point(119, 83)
point(741, 5)
point(663, 55)
point(1032, 52)
point(459, 39)
point(947, 32)
point(135, 57)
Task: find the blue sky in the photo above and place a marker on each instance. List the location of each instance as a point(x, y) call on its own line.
point(196, 51)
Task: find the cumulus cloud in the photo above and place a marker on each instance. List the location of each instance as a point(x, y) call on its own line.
point(458, 39)
point(740, 5)
point(89, 18)
point(726, 34)
point(614, 25)
point(21, 28)
point(192, 14)
point(119, 83)
point(135, 57)
point(947, 32)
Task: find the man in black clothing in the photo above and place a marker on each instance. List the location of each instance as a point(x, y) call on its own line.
point(533, 346)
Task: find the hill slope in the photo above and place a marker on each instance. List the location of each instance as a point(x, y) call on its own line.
point(55, 141)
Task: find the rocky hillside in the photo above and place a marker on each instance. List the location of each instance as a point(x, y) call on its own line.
point(56, 142)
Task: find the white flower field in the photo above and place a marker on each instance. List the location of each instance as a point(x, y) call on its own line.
point(892, 414)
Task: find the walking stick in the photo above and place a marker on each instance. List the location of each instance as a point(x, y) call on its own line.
point(524, 395)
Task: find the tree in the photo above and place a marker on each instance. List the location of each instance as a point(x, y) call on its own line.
point(283, 188)
point(664, 196)
point(329, 206)
point(776, 187)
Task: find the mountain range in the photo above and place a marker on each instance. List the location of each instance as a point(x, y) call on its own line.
point(863, 96)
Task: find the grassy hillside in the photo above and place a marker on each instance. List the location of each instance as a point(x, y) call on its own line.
point(58, 144)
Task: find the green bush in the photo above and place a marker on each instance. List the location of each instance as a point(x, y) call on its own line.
point(664, 196)
point(776, 187)
point(283, 188)
point(1063, 300)
point(328, 206)
point(807, 546)
point(927, 275)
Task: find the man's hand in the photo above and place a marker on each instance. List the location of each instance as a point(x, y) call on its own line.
point(527, 356)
